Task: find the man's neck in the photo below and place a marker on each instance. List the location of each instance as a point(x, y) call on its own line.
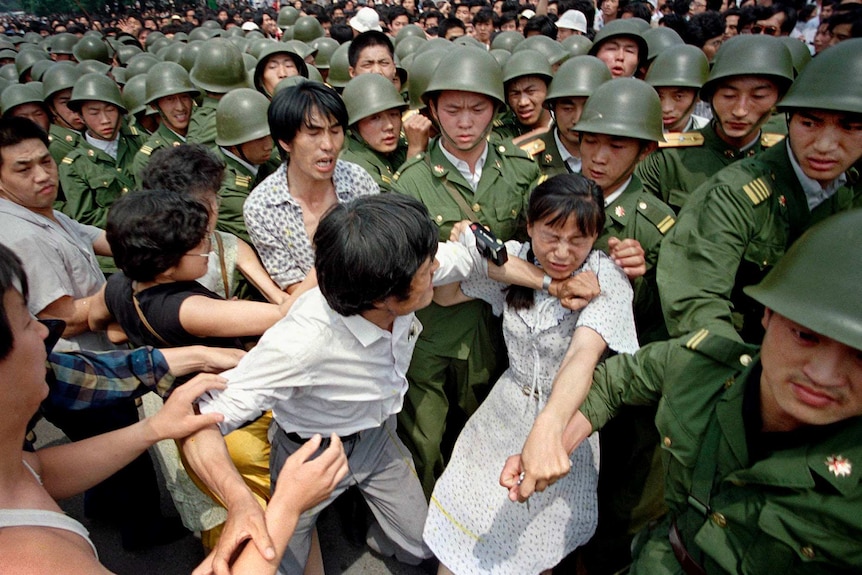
point(470, 157)
point(308, 189)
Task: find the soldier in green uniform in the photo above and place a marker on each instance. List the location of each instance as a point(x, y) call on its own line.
point(678, 75)
point(460, 176)
point(218, 69)
point(275, 63)
point(98, 172)
point(750, 74)
point(557, 151)
point(169, 91)
point(761, 445)
point(25, 101)
point(373, 139)
point(738, 224)
point(66, 125)
point(526, 76)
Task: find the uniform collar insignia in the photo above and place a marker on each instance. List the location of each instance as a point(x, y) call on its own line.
point(839, 465)
point(620, 211)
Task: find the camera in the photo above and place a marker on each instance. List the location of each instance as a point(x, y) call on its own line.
point(488, 245)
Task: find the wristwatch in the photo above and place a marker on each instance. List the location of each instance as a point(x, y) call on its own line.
point(546, 282)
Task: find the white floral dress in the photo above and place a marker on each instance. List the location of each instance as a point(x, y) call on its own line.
point(472, 527)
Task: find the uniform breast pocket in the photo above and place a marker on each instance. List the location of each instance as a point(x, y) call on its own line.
point(764, 254)
point(105, 187)
point(507, 214)
point(445, 216)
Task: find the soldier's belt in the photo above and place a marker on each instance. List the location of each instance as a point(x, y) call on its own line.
point(686, 561)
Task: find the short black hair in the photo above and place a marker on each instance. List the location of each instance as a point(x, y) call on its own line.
point(483, 16)
point(12, 276)
point(151, 230)
point(544, 25)
point(704, 26)
point(14, 130)
point(292, 107)
point(341, 33)
point(370, 249)
point(189, 168)
point(447, 24)
point(637, 10)
point(366, 40)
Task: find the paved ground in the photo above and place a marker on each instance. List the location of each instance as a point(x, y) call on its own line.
point(340, 557)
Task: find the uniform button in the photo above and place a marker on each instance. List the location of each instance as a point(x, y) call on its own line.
point(765, 263)
point(728, 383)
point(807, 551)
point(719, 519)
point(744, 359)
point(119, 169)
point(501, 149)
point(514, 212)
point(667, 442)
point(642, 205)
point(125, 190)
point(738, 482)
point(476, 208)
point(439, 219)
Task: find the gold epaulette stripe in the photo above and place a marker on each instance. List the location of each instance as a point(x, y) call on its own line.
point(243, 181)
point(697, 339)
point(67, 160)
point(757, 191)
point(681, 140)
point(666, 224)
point(534, 147)
point(146, 150)
point(767, 140)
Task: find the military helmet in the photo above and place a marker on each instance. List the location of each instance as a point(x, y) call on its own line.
point(39, 68)
point(168, 79)
point(257, 46)
point(420, 74)
point(301, 48)
point(409, 31)
point(288, 82)
point(624, 107)
point(682, 67)
point(152, 38)
point(660, 39)
point(119, 76)
point(249, 62)
point(501, 56)
point(527, 63)
point(812, 284)
point(95, 87)
point(578, 78)
point(32, 37)
point(241, 117)
point(88, 66)
point(471, 70)
point(219, 68)
point(140, 64)
point(126, 51)
point(553, 50)
point(408, 46)
point(25, 60)
point(9, 72)
point(19, 94)
point(202, 34)
point(287, 16)
point(232, 32)
point(173, 53)
point(624, 28)
point(286, 34)
point(190, 54)
point(798, 52)
point(832, 81)
point(307, 28)
point(211, 24)
point(325, 48)
point(507, 40)
point(369, 94)
point(314, 74)
point(750, 55)
point(467, 40)
point(92, 48)
point(339, 67)
point(135, 95)
point(241, 42)
point(61, 76)
point(4, 83)
point(436, 44)
point(577, 45)
point(8, 54)
point(272, 50)
point(63, 43)
point(159, 45)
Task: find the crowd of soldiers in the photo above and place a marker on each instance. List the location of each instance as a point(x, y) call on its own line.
point(716, 146)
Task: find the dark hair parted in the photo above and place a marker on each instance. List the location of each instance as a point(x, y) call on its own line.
point(555, 202)
point(370, 249)
point(14, 130)
point(12, 276)
point(151, 230)
point(190, 168)
point(366, 40)
point(294, 107)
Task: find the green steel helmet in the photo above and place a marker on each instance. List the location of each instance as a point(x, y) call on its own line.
point(219, 68)
point(470, 70)
point(19, 94)
point(553, 50)
point(119, 76)
point(9, 72)
point(624, 28)
point(798, 52)
point(232, 32)
point(577, 45)
point(313, 74)
point(501, 56)
point(87, 66)
point(140, 64)
point(241, 42)
point(257, 34)
point(152, 37)
point(405, 63)
point(401, 73)
point(197, 34)
point(325, 48)
point(249, 62)
point(25, 60)
point(61, 76)
point(660, 39)
point(4, 83)
point(135, 94)
point(301, 48)
point(286, 34)
point(408, 46)
point(190, 54)
point(288, 82)
point(95, 87)
point(39, 69)
point(63, 43)
point(409, 31)
point(527, 63)
point(420, 75)
point(126, 51)
point(181, 37)
point(435, 44)
point(8, 54)
point(32, 37)
point(92, 48)
point(241, 117)
point(307, 28)
point(832, 81)
point(467, 40)
point(750, 55)
point(369, 94)
point(507, 40)
point(287, 16)
point(5, 44)
point(812, 284)
point(256, 47)
point(624, 107)
point(683, 67)
point(173, 52)
point(271, 50)
point(578, 78)
point(159, 45)
point(339, 67)
point(211, 24)
point(168, 79)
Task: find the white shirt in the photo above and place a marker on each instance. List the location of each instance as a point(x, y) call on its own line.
point(110, 147)
point(464, 168)
point(321, 372)
point(815, 194)
point(619, 191)
point(573, 162)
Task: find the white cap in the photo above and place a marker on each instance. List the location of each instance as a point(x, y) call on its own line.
point(527, 14)
point(249, 26)
point(573, 20)
point(366, 19)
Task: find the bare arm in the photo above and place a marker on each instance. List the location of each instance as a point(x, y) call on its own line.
point(417, 128)
point(201, 358)
point(75, 312)
point(250, 266)
point(101, 246)
point(207, 317)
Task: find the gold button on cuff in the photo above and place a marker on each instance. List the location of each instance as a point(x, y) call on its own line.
point(719, 520)
point(807, 552)
point(667, 442)
point(745, 359)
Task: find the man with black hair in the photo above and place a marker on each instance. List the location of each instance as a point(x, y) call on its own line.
point(451, 29)
point(371, 52)
point(540, 25)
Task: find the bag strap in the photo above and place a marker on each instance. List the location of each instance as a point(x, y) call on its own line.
point(221, 261)
point(459, 199)
point(145, 322)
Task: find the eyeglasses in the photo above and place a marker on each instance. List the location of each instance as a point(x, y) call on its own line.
point(207, 243)
point(768, 30)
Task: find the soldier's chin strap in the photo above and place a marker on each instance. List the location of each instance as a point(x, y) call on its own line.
point(483, 137)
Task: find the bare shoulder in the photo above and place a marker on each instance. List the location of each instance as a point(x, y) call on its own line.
point(39, 550)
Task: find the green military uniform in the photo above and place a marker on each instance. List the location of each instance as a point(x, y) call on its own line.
point(62, 141)
point(237, 184)
point(202, 125)
point(784, 508)
point(689, 159)
point(164, 137)
point(507, 127)
point(463, 342)
point(381, 167)
point(543, 149)
point(733, 229)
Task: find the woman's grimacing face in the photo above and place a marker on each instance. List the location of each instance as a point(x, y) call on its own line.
point(560, 249)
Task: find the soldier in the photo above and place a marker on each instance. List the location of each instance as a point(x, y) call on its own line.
point(218, 69)
point(144, 118)
point(99, 171)
point(750, 74)
point(275, 63)
point(66, 126)
point(557, 150)
point(738, 224)
point(621, 47)
point(373, 139)
point(371, 51)
point(526, 76)
point(677, 75)
point(761, 445)
point(25, 101)
point(460, 176)
point(169, 91)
